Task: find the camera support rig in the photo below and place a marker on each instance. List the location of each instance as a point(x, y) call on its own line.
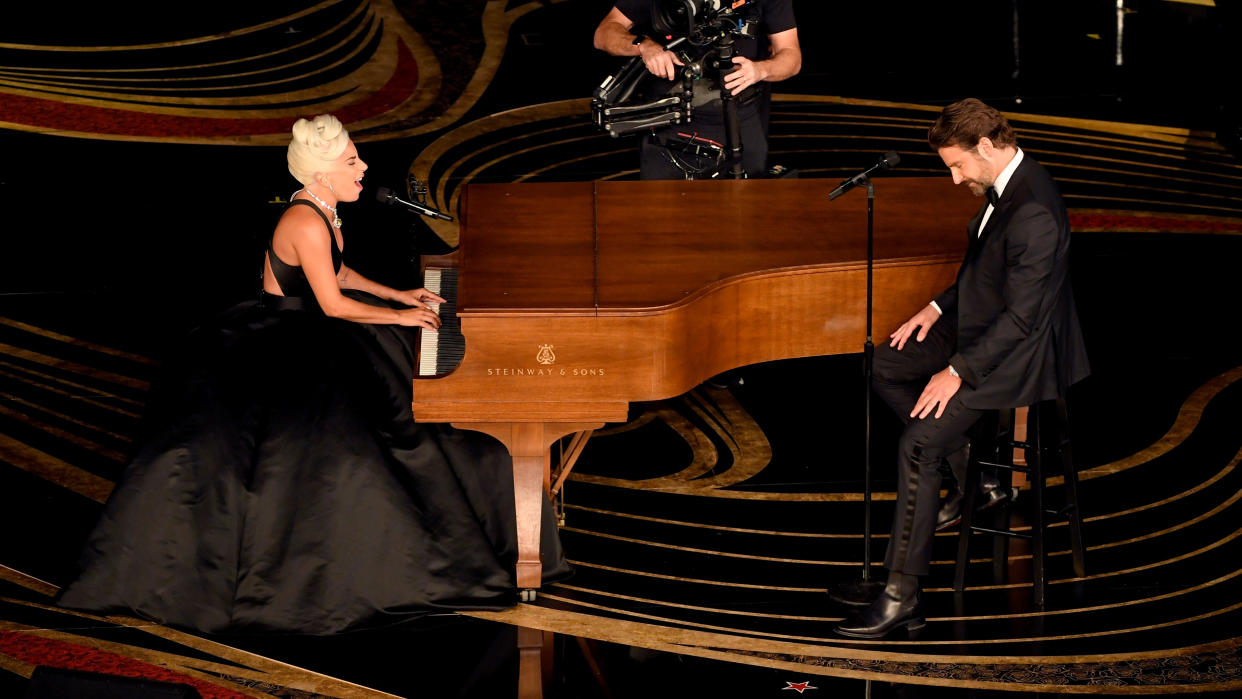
point(613, 116)
point(728, 102)
point(708, 25)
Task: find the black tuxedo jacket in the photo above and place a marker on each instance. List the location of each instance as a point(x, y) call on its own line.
point(1018, 338)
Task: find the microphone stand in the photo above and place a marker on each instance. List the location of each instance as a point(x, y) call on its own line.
point(862, 592)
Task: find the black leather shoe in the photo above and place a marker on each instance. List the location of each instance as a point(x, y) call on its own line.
point(886, 615)
point(990, 493)
point(950, 514)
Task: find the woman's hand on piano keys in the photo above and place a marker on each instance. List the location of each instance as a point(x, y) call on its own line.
point(418, 298)
point(419, 317)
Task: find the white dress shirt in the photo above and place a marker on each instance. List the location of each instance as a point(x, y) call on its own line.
point(1001, 181)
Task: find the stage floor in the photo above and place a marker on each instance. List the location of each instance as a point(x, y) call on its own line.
point(145, 170)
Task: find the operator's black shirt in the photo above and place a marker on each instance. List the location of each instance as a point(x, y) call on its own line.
point(775, 16)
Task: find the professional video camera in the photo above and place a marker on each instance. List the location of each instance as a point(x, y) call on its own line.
point(701, 33)
point(703, 22)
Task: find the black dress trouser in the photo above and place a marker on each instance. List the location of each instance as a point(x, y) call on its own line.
point(899, 378)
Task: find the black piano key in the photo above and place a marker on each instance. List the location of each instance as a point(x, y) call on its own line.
point(450, 345)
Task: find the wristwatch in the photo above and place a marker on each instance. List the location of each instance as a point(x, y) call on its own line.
point(953, 372)
point(638, 39)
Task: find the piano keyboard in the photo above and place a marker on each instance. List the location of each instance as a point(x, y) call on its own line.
point(439, 351)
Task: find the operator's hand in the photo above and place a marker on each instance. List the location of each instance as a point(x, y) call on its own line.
point(938, 391)
point(923, 320)
point(747, 73)
point(661, 63)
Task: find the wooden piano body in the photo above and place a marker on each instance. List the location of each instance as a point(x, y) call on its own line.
point(577, 298)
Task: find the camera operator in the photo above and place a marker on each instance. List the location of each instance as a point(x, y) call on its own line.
point(617, 36)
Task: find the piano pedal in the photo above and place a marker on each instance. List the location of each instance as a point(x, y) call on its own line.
point(529, 595)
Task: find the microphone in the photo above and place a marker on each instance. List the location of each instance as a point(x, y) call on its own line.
point(386, 196)
point(890, 159)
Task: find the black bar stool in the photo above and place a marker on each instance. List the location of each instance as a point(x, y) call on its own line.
point(993, 446)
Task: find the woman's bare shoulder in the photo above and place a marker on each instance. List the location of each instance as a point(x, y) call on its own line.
point(299, 223)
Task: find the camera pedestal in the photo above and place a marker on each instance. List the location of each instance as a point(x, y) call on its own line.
point(728, 102)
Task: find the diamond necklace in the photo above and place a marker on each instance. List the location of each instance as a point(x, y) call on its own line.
point(336, 220)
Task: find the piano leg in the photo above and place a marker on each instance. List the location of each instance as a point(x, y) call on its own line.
point(529, 444)
point(531, 657)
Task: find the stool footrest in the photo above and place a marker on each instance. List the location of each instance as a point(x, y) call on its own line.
point(1011, 467)
point(1000, 532)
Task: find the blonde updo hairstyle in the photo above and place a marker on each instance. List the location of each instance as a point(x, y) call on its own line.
point(316, 144)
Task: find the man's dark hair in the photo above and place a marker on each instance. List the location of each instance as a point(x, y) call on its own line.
point(963, 123)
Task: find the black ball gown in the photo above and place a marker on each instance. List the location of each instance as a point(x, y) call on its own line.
point(282, 485)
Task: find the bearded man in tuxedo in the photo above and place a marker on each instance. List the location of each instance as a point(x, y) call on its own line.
point(1004, 335)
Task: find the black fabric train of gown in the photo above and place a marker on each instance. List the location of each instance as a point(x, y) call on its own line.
point(282, 485)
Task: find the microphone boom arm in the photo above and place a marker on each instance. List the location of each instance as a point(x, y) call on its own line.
point(386, 196)
point(889, 160)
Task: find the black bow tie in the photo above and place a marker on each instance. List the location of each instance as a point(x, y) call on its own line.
point(993, 197)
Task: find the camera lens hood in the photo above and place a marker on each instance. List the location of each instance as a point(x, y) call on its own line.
point(675, 17)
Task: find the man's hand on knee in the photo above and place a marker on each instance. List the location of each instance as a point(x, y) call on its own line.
point(942, 386)
point(921, 321)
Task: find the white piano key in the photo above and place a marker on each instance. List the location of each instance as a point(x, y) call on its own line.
point(429, 343)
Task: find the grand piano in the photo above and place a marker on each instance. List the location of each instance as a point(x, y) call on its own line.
point(575, 299)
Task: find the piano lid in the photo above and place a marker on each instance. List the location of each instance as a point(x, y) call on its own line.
point(528, 247)
point(587, 246)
